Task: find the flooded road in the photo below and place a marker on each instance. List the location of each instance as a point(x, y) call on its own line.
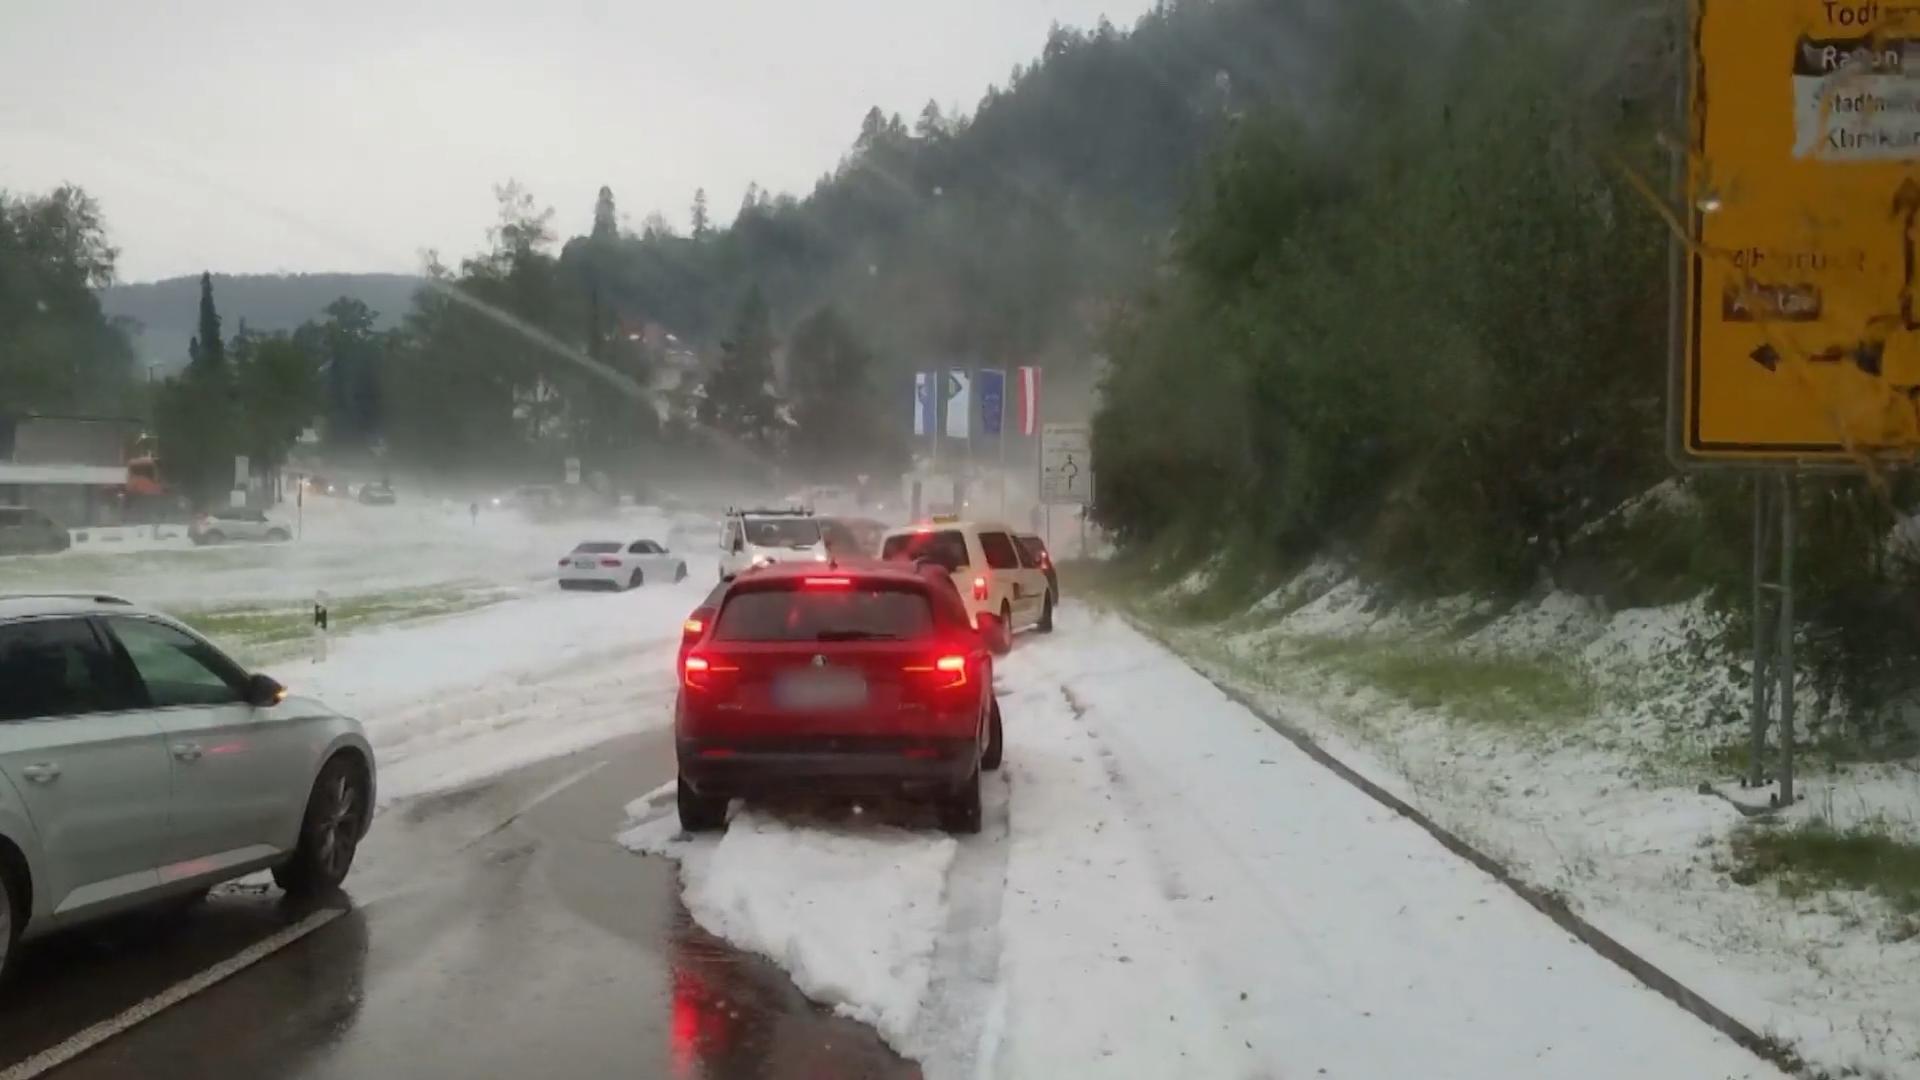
point(497, 931)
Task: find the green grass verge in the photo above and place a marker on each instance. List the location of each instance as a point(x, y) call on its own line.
point(1480, 688)
point(254, 627)
point(1815, 856)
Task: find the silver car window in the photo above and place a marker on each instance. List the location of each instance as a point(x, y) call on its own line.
point(58, 667)
point(176, 668)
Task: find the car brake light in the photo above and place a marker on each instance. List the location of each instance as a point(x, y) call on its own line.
point(692, 627)
point(829, 582)
point(698, 670)
point(611, 564)
point(950, 672)
point(565, 561)
point(979, 588)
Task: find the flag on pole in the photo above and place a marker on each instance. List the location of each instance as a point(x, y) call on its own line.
point(993, 401)
point(1029, 400)
point(959, 403)
point(923, 403)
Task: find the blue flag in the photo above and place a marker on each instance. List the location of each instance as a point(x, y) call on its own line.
point(923, 404)
point(993, 400)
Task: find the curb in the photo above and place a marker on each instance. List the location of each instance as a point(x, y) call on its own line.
point(1769, 1049)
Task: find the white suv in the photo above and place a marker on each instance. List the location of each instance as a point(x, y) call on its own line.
point(1005, 589)
point(751, 538)
point(138, 763)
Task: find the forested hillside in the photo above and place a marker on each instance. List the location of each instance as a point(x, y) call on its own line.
point(162, 312)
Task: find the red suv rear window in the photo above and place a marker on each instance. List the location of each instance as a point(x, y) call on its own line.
point(854, 611)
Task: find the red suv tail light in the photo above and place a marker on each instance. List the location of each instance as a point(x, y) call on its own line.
point(703, 673)
point(980, 588)
point(945, 673)
point(952, 671)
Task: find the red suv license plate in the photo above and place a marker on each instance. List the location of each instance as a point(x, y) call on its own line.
point(820, 689)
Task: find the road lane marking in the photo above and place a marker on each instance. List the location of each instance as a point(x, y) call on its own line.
point(527, 807)
point(93, 1036)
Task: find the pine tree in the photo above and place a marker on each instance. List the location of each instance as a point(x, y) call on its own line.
point(932, 124)
point(195, 412)
point(702, 224)
point(739, 395)
point(606, 223)
point(206, 351)
point(841, 424)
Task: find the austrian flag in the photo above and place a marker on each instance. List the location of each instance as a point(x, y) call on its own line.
point(1029, 401)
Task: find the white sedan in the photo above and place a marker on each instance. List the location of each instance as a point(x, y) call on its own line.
point(611, 564)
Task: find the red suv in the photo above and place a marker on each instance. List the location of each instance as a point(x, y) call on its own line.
point(847, 679)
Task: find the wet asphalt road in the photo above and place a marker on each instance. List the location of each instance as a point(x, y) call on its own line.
point(496, 931)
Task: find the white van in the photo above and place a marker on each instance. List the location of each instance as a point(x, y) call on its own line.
point(751, 538)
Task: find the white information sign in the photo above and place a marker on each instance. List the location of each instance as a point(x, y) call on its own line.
point(1066, 464)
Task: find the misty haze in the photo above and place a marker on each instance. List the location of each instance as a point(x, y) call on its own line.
point(1029, 539)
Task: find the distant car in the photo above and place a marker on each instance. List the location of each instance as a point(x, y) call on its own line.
point(1003, 589)
point(859, 678)
point(227, 526)
point(26, 531)
point(1033, 551)
point(751, 538)
point(142, 764)
point(377, 495)
point(618, 564)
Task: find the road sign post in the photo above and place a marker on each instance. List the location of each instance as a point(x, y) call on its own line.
point(1795, 339)
point(1066, 465)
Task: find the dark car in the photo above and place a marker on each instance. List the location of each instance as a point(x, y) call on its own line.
point(26, 531)
point(377, 495)
point(1033, 552)
point(850, 679)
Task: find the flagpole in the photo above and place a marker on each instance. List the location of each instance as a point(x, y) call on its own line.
point(1003, 448)
point(973, 389)
point(1039, 459)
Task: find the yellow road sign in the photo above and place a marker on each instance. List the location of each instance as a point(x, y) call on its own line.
point(1804, 183)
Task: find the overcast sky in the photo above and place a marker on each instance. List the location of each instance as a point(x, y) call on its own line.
point(259, 136)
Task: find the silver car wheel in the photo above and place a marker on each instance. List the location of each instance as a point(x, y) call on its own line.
point(337, 832)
